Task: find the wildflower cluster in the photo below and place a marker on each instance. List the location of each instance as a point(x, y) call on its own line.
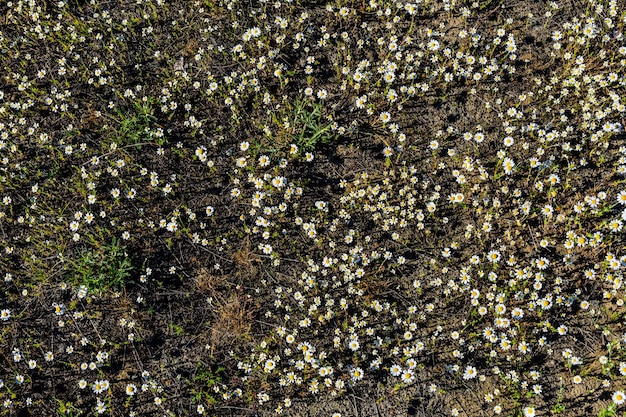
point(222, 205)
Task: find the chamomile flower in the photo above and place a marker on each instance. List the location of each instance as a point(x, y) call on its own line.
point(407, 376)
point(470, 373)
point(264, 160)
point(100, 407)
point(508, 165)
point(131, 389)
point(353, 345)
point(529, 411)
point(547, 210)
point(619, 397)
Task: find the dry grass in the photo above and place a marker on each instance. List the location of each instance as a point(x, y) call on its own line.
point(208, 283)
point(246, 260)
point(233, 321)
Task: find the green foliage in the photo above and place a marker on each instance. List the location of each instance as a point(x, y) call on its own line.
point(206, 378)
point(609, 411)
point(135, 124)
point(177, 329)
point(309, 126)
point(101, 267)
point(559, 407)
point(67, 409)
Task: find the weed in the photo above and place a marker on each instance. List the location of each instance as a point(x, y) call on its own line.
point(176, 328)
point(310, 130)
point(609, 411)
point(102, 267)
point(135, 125)
point(67, 409)
point(302, 124)
point(208, 378)
point(559, 407)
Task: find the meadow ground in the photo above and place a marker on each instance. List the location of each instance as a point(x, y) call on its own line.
point(306, 208)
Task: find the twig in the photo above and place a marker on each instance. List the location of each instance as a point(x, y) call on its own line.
point(356, 409)
point(123, 147)
point(376, 408)
point(236, 408)
point(214, 254)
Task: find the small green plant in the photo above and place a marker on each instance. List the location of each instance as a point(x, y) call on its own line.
point(207, 377)
point(67, 409)
point(102, 267)
point(135, 124)
point(559, 407)
point(609, 411)
point(299, 123)
point(176, 328)
point(307, 120)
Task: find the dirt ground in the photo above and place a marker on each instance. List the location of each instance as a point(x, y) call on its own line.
point(187, 185)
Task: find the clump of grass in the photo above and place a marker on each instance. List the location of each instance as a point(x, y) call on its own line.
point(135, 124)
point(309, 126)
point(233, 321)
point(206, 378)
point(101, 267)
point(301, 128)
